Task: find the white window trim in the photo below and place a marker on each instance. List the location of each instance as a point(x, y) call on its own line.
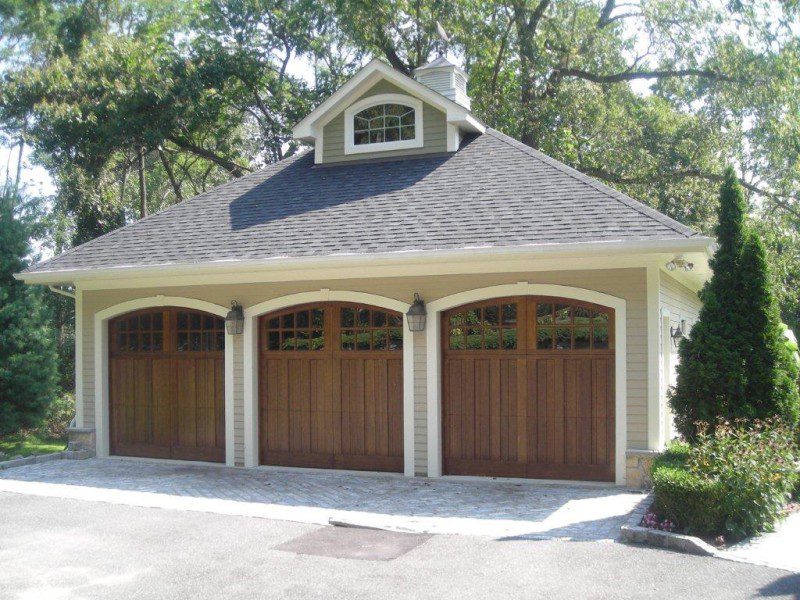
point(350, 112)
point(523, 288)
point(250, 356)
point(101, 394)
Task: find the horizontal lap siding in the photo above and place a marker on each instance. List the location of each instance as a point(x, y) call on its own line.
point(682, 303)
point(434, 127)
point(625, 283)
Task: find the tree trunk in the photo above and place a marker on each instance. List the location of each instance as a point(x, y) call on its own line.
point(142, 187)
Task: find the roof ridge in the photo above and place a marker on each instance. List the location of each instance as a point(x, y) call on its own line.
point(109, 234)
point(636, 205)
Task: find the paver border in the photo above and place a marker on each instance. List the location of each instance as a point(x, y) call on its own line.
point(42, 458)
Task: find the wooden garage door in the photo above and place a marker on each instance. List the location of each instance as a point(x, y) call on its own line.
point(167, 384)
point(331, 387)
point(528, 389)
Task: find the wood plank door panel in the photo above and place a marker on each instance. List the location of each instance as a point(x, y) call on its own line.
point(167, 385)
point(330, 387)
point(528, 389)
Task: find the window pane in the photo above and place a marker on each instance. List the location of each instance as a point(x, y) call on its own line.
point(391, 135)
point(509, 314)
point(317, 340)
point(348, 340)
point(183, 320)
point(457, 340)
point(491, 339)
point(360, 123)
point(194, 320)
point(287, 340)
point(133, 324)
point(158, 341)
point(376, 137)
point(219, 323)
point(348, 317)
point(378, 318)
point(601, 318)
point(274, 323)
point(392, 122)
point(205, 343)
point(360, 137)
point(456, 320)
point(220, 343)
point(158, 321)
point(474, 338)
point(395, 338)
point(408, 118)
point(379, 339)
point(563, 338)
point(273, 340)
point(194, 341)
point(303, 319)
point(509, 339)
point(301, 340)
point(582, 337)
point(145, 321)
point(491, 315)
point(407, 132)
point(133, 342)
point(600, 338)
point(363, 340)
point(363, 317)
point(473, 317)
point(544, 313)
point(582, 315)
point(317, 317)
point(146, 342)
point(123, 325)
point(122, 341)
point(544, 338)
point(183, 342)
point(288, 321)
point(563, 313)
point(396, 320)
point(208, 322)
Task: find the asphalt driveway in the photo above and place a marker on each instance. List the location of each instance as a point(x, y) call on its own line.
point(54, 548)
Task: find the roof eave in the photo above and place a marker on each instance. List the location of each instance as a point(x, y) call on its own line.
point(697, 244)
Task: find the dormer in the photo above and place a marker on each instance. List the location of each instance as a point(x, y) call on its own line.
point(382, 113)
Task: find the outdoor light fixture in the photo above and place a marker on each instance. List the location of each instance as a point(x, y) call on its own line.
point(679, 263)
point(416, 315)
point(677, 333)
point(234, 321)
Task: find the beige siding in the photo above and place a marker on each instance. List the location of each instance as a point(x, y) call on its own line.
point(682, 304)
point(434, 127)
point(629, 284)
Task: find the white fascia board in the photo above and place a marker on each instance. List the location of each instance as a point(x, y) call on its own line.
point(376, 69)
point(466, 256)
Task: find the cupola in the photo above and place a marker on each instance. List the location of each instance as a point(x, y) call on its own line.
point(444, 77)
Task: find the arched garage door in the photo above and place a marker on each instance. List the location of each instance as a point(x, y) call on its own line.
point(528, 389)
point(331, 387)
point(167, 384)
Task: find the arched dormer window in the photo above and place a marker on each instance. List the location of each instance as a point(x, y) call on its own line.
point(383, 122)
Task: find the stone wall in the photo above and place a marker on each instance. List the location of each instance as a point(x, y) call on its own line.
point(638, 464)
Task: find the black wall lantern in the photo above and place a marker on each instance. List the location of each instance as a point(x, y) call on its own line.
point(234, 321)
point(677, 333)
point(416, 315)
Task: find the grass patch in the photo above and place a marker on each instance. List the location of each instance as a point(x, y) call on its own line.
point(29, 444)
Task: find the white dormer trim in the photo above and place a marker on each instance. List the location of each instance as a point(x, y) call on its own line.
point(351, 148)
point(310, 128)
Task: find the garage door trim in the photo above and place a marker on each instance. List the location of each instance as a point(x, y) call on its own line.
point(101, 363)
point(251, 374)
point(434, 358)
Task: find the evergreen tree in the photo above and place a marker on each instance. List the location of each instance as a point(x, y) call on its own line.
point(711, 373)
point(28, 360)
point(734, 363)
point(771, 369)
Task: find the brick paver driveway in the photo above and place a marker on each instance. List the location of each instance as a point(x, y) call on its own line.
point(499, 509)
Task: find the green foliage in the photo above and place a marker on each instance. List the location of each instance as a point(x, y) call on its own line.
point(736, 362)
point(735, 481)
point(57, 417)
point(28, 362)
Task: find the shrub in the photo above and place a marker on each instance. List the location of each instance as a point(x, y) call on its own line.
point(735, 481)
point(58, 417)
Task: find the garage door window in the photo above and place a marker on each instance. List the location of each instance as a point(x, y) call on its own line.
point(370, 329)
point(570, 327)
point(139, 333)
point(300, 330)
point(492, 327)
point(200, 333)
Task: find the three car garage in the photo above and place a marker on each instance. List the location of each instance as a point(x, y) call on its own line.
point(527, 387)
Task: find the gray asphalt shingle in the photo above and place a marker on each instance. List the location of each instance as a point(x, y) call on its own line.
point(494, 191)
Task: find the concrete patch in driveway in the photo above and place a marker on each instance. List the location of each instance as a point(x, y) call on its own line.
point(356, 543)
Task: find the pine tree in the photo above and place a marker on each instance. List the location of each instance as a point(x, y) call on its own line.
point(28, 360)
point(735, 363)
point(771, 369)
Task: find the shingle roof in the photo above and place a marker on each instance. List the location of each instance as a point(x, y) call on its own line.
point(494, 191)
